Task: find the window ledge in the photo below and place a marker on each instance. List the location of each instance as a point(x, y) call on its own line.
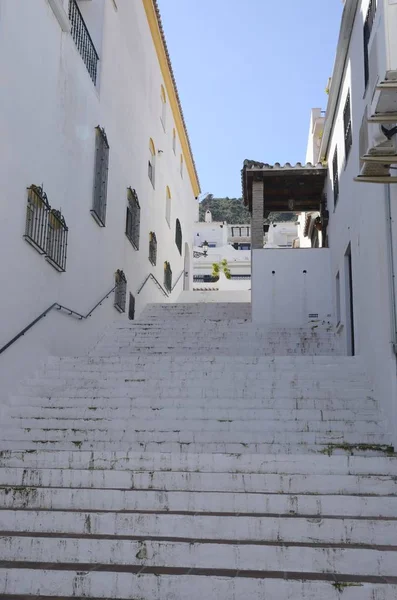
point(61, 15)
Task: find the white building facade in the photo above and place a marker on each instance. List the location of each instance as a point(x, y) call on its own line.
point(347, 199)
point(97, 170)
point(362, 215)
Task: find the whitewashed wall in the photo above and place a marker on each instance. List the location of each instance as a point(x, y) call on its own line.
point(360, 219)
point(289, 285)
point(49, 109)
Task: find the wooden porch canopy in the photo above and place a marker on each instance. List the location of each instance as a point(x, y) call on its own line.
point(285, 188)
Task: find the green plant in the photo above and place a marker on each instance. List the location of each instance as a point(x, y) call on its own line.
point(222, 266)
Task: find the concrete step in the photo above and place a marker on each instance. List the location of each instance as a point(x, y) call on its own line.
point(281, 530)
point(206, 555)
point(159, 423)
point(283, 464)
point(304, 505)
point(375, 485)
point(130, 401)
point(361, 449)
point(215, 437)
point(211, 585)
point(183, 414)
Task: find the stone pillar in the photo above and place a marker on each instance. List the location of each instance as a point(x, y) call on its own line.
point(257, 216)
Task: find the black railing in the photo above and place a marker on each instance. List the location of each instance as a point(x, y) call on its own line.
point(347, 122)
point(156, 281)
point(83, 40)
point(335, 176)
point(152, 248)
point(120, 292)
point(167, 277)
point(59, 307)
point(46, 229)
point(214, 279)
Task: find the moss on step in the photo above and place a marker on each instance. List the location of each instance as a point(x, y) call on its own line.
point(342, 586)
point(384, 448)
point(77, 444)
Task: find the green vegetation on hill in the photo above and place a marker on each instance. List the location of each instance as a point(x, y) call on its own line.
point(232, 210)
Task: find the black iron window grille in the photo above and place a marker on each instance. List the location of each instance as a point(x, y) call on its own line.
point(83, 40)
point(120, 292)
point(368, 25)
point(46, 229)
point(37, 212)
point(131, 308)
point(178, 236)
point(57, 240)
point(99, 201)
point(335, 176)
point(152, 248)
point(347, 123)
point(167, 277)
point(133, 218)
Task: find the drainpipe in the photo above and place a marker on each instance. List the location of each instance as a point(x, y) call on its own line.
point(392, 276)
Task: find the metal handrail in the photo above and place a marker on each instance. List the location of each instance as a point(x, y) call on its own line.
point(179, 276)
point(49, 309)
point(151, 276)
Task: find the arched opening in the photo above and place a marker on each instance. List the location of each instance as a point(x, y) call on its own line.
point(178, 236)
point(168, 206)
point(163, 117)
point(181, 166)
point(174, 140)
point(152, 162)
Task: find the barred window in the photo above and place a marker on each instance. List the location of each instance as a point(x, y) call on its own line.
point(368, 25)
point(152, 162)
point(83, 41)
point(120, 292)
point(133, 218)
point(167, 277)
point(45, 228)
point(37, 212)
point(152, 248)
point(335, 176)
point(98, 210)
point(347, 123)
point(178, 236)
point(131, 308)
point(57, 238)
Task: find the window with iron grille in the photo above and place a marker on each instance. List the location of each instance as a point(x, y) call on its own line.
point(368, 25)
point(133, 218)
point(131, 308)
point(152, 248)
point(347, 123)
point(167, 277)
point(45, 228)
point(37, 212)
point(120, 292)
point(98, 210)
point(57, 240)
point(178, 236)
point(335, 176)
point(83, 41)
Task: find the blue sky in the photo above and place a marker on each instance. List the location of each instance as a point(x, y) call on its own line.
point(248, 73)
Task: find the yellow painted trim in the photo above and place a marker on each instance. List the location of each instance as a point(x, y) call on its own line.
point(163, 96)
point(168, 193)
point(169, 86)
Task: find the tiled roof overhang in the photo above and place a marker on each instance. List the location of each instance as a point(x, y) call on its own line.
point(302, 184)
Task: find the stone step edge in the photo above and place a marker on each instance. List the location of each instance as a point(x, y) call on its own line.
point(199, 541)
point(151, 570)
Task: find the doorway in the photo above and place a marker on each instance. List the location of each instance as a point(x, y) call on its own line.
point(350, 335)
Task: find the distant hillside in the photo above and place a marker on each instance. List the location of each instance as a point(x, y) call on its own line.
point(232, 210)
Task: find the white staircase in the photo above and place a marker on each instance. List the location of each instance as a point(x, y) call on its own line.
point(196, 455)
